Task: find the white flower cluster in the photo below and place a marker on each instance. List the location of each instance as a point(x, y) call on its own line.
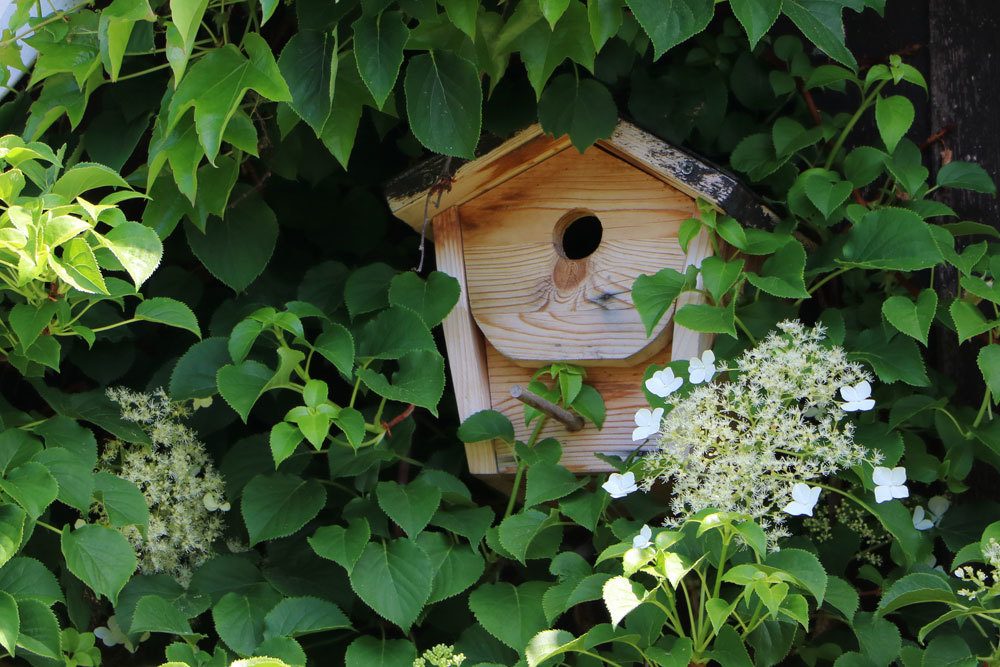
point(748, 445)
point(978, 579)
point(441, 655)
point(185, 494)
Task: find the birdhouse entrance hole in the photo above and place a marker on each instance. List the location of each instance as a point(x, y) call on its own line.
point(578, 235)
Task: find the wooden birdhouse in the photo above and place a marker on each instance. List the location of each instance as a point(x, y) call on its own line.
point(546, 243)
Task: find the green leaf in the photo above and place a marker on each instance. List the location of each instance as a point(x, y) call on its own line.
point(879, 639)
point(486, 425)
point(892, 358)
point(342, 545)
point(336, 345)
point(456, 566)
point(590, 405)
point(32, 486)
point(186, 16)
point(371, 652)
point(549, 481)
point(670, 22)
point(444, 102)
point(28, 321)
point(893, 116)
point(158, 614)
point(968, 319)
point(581, 108)
point(123, 501)
point(654, 295)
point(410, 506)
point(518, 531)
point(988, 360)
point(821, 22)
point(27, 579)
point(391, 578)
point(471, 523)
point(283, 440)
point(543, 48)
point(621, 596)
point(708, 319)
point(419, 380)
point(100, 557)
point(966, 176)
point(782, 274)
point(719, 275)
point(462, 14)
point(511, 614)
point(297, 616)
point(216, 84)
point(167, 311)
point(137, 247)
point(278, 505)
point(241, 385)
point(309, 63)
point(10, 622)
point(432, 299)
point(893, 239)
point(378, 49)
point(194, 376)
point(239, 621)
point(367, 288)
point(916, 588)
point(912, 319)
point(842, 596)
point(804, 566)
point(236, 248)
point(605, 18)
point(39, 629)
point(756, 16)
point(898, 521)
point(86, 176)
point(115, 27)
point(729, 649)
point(394, 333)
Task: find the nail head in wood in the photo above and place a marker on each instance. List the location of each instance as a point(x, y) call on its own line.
point(571, 421)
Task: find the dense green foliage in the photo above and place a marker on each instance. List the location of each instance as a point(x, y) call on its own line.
point(191, 214)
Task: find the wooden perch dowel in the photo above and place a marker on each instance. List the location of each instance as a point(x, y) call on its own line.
point(571, 421)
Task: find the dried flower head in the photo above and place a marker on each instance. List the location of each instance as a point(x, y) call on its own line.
point(742, 445)
point(184, 492)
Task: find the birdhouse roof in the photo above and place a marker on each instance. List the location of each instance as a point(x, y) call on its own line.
point(426, 189)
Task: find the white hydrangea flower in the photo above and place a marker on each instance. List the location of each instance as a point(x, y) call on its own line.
point(619, 486)
point(663, 383)
point(184, 492)
point(643, 539)
point(740, 445)
point(920, 520)
point(647, 423)
point(702, 370)
point(804, 498)
point(889, 484)
point(857, 398)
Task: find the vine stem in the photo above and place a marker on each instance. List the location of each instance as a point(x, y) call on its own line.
point(520, 466)
point(50, 527)
point(867, 102)
point(824, 280)
point(58, 16)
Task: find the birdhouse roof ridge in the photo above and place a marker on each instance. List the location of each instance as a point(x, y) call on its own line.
point(440, 182)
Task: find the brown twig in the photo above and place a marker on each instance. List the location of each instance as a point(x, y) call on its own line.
point(810, 102)
point(259, 182)
point(937, 136)
point(388, 426)
point(572, 422)
point(442, 185)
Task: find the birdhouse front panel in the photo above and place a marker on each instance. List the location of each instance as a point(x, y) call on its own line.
point(546, 244)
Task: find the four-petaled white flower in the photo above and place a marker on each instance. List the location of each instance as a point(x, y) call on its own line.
point(920, 520)
point(937, 506)
point(619, 486)
point(111, 634)
point(647, 422)
point(804, 499)
point(889, 484)
point(643, 539)
point(702, 370)
point(857, 398)
point(663, 383)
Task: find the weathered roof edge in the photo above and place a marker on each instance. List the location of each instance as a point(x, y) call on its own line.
point(689, 173)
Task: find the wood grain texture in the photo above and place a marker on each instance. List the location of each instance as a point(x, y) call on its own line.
point(464, 342)
point(621, 389)
point(537, 306)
